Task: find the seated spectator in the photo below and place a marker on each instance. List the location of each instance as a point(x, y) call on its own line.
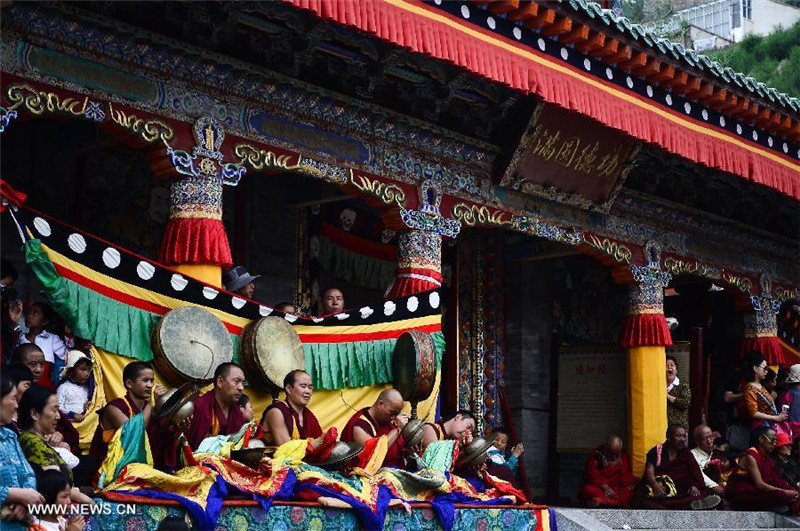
point(18, 487)
point(332, 301)
point(73, 393)
point(286, 307)
point(758, 404)
point(721, 445)
point(497, 453)
point(32, 357)
point(56, 489)
point(757, 484)
point(38, 417)
point(703, 454)
point(791, 398)
point(459, 427)
point(239, 281)
point(728, 464)
point(787, 464)
point(672, 478)
point(607, 477)
point(679, 396)
point(246, 405)
point(44, 329)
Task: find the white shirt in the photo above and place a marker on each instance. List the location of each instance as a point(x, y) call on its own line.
point(702, 459)
point(51, 345)
point(675, 383)
point(72, 398)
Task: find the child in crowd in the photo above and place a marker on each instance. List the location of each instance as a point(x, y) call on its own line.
point(247, 408)
point(21, 376)
point(497, 452)
point(43, 330)
point(54, 486)
point(721, 445)
point(727, 466)
point(73, 393)
point(791, 398)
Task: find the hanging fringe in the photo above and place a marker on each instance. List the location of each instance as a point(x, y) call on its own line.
point(195, 241)
point(770, 348)
point(435, 33)
point(645, 330)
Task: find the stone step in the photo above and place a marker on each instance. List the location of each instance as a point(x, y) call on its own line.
point(569, 519)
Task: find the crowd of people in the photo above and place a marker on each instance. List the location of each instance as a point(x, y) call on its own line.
point(757, 469)
point(47, 387)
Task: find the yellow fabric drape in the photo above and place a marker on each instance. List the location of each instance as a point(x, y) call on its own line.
point(647, 402)
point(210, 274)
point(326, 405)
point(88, 425)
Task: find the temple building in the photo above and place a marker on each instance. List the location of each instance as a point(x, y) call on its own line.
point(564, 179)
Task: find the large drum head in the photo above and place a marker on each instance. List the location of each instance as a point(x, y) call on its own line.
point(414, 365)
point(189, 343)
point(270, 349)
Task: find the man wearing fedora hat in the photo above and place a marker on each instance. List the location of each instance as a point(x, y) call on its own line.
point(239, 281)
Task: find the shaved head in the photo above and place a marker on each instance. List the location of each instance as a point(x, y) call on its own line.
point(614, 443)
point(390, 396)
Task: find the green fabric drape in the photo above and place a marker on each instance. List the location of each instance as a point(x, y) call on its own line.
point(125, 330)
point(356, 268)
point(339, 365)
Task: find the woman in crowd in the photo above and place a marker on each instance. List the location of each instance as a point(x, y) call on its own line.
point(758, 404)
point(679, 396)
point(17, 482)
point(38, 417)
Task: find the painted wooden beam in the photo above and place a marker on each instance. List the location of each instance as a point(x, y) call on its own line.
point(525, 11)
point(594, 42)
point(559, 26)
point(578, 34)
point(544, 17)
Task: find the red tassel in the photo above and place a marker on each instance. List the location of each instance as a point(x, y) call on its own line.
point(645, 330)
point(13, 196)
point(195, 241)
point(770, 348)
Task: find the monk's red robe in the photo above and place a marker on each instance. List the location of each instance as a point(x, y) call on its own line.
point(617, 475)
point(210, 421)
point(743, 494)
point(162, 442)
point(363, 420)
point(309, 430)
point(685, 473)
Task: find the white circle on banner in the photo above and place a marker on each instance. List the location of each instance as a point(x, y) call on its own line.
point(739, 129)
point(629, 82)
point(785, 147)
point(705, 115)
point(433, 299)
point(564, 54)
point(491, 23)
point(238, 302)
point(722, 121)
point(609, 73)
point(388, 308)
point(668, 99)
point(465, 11)
point(290, 317)
point(264, 311)
point(42, 226)
point(541, 44)
point(587, 64)
point(210, 293)
point(755, 135)
point(77, 242)
point(178, 282)
point(437, 2)
point(649, 91)
point(145, 270)
point(517, 33)
point(770, 141)
point(412, 304)
point(111, 258)
point(687, 108)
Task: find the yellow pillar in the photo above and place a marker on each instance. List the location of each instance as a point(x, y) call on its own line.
point(647, 402)
point(208, 273)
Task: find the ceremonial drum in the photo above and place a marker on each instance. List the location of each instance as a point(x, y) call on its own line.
point(270, 349)
point(414, 367)
point(189, 343)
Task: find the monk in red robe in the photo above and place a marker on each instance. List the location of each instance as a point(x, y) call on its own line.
point(671, 465)
point(217, 412)
point(459, 427)
point(139, 380)
point(291, 420)
point(608, 480)
point(384, 417)
point(757, 484)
